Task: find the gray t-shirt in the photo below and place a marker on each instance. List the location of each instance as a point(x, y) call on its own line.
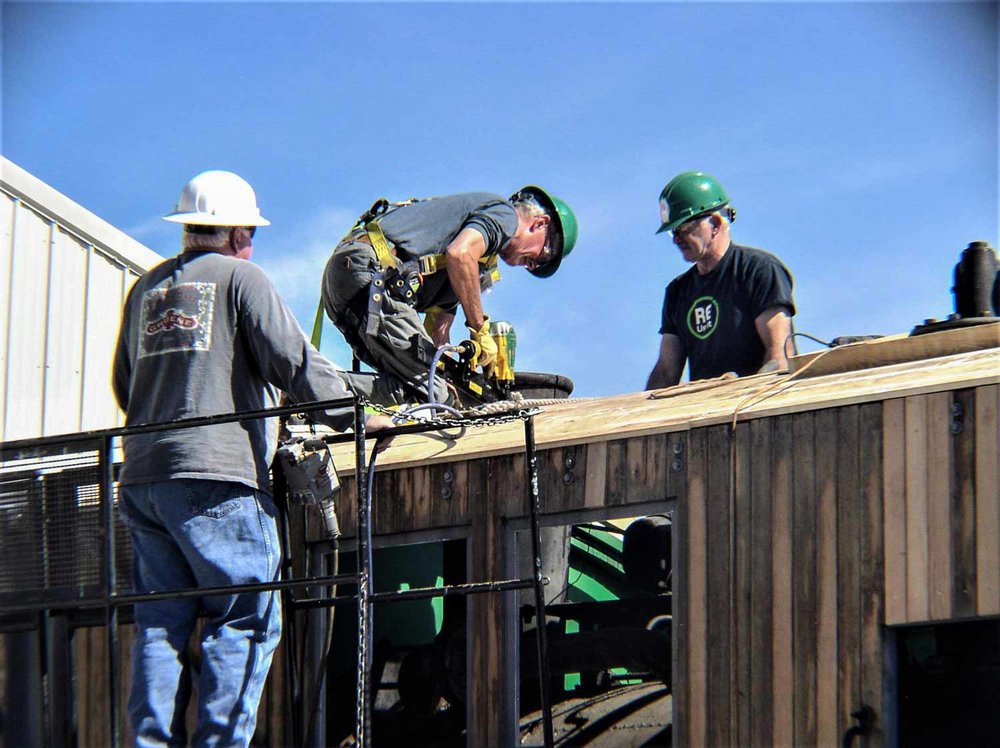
point(204, 334)
point(428, 226)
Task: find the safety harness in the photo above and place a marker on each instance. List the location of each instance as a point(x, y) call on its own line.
point(401, 279)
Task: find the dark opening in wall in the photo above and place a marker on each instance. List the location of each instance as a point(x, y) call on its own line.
point(949, 684)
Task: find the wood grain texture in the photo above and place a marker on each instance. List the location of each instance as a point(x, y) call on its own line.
point(917, 593)
point(742, 686)
point(719, 603)
point(872, 568)
point(850, 513)
point(939, 529)
point(487, 667)
point(962, 506)
point(897, 349)
point(828, 446)
point(685, 407)
point(597, 474)
point(894, 487)
point(761, 602)
point(804, 580)
point(695, 715)
point(987, 487)
point(783, 691)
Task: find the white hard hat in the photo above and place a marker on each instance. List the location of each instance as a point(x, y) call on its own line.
point(217, 198)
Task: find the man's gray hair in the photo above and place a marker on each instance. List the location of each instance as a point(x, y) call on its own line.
point(529, 204)
point(213, 237)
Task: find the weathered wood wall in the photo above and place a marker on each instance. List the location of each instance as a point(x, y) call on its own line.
point(942, 505)
point(484, 495)
point(803, 536)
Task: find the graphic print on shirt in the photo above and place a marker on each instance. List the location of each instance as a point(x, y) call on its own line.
point(703, 317)
point(178, 318)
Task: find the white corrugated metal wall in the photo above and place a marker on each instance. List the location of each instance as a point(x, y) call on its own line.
point(64, 274)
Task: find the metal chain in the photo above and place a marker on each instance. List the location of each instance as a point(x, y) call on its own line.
point(359, 715)
point(525, 409)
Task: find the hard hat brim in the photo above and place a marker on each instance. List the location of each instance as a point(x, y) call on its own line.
point(201, 219)
point(549, 268)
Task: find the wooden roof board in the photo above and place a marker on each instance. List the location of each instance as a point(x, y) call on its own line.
point(686, 406)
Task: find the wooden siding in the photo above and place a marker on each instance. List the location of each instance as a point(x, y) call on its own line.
point(942, 506)
point(779, 582)
point(801, 537)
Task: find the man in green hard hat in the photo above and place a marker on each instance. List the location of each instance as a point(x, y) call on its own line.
point(431, 256)
point(731, 311)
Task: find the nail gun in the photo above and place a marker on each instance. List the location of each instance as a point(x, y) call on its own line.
point(479, 387)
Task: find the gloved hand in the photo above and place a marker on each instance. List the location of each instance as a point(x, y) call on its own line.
point(487, 347)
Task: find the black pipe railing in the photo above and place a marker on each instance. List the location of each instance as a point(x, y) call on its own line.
point(365, 597)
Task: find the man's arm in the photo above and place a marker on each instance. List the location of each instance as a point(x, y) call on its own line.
point(438, 326)
point(774, 326)
point(669, 365)
point(463, 273)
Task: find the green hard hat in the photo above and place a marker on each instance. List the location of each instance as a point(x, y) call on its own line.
point(565, 223)
point(688, 195)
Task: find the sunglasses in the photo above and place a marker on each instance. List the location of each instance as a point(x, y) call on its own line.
point(688, 226)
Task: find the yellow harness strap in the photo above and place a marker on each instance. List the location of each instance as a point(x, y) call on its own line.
point(381, 245)
point(430, 264)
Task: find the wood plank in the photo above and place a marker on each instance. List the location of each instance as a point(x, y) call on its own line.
point(781, 575)
point(574, 464)
point(804, 578)
point(850, 511)
point(635, 468)
point(873, 576)
point(392, 501)
point(695, 716)
point(718, 585)
point(514, 501)
point(987, 501)
point(639, 414)
point(962, 507)
point(657, 467)
point(742, 685)
point(894, 480)
point(597, 474)
point(761, 617)
point(677, 459)
point(939, 510)
point(617, 473)
point(442, 493)
point(487, 663)
point(828, 446)
point(561, 478)
point(917, 593)
point(681, 589)
point(462, 495)
point(896, 349)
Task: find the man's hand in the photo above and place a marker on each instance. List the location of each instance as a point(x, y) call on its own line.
point(375, 423)
point(487, 347)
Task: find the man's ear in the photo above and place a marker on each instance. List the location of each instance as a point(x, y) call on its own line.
point(541, 221)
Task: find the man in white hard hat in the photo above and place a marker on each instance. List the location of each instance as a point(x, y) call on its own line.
point(205, 333)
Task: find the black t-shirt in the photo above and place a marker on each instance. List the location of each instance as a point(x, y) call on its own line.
point(713, 314)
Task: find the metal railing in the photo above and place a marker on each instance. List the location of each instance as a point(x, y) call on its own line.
point(64, 550)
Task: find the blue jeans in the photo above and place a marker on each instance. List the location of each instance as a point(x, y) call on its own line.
point(201, 533)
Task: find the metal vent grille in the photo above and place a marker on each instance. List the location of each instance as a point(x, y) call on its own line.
point(52, 527)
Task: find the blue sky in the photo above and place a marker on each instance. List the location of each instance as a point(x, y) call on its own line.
point(858, 141)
